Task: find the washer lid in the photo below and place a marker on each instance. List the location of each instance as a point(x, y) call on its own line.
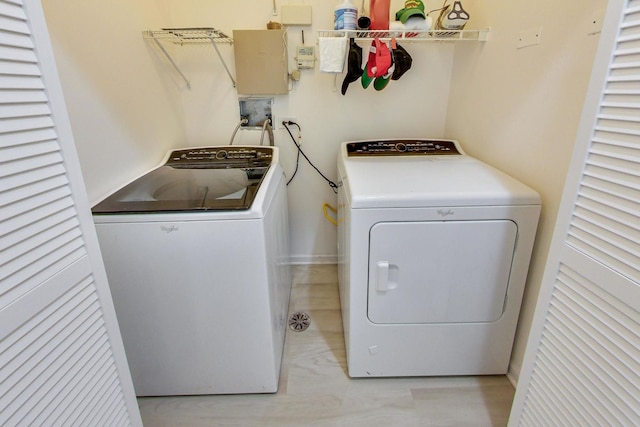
point(195, 180)
point(399, 181)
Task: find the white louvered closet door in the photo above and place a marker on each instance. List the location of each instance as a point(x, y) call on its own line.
point(582, 364)
point(61, 356)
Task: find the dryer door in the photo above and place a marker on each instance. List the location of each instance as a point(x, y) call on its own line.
point(440, 271)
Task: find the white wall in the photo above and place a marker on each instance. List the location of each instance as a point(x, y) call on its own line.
point(518, 109)
point(416, 105)
point(515, 109)
point(128, 106)
point(124, 110)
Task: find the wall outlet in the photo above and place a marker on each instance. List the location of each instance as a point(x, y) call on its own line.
point(529, 37)
point(285, 119)
point(594, 25)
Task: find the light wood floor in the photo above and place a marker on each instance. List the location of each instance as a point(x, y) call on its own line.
point(315, 389)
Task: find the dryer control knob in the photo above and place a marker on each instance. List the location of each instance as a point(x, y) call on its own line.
point(400, 147)
point(222, 154)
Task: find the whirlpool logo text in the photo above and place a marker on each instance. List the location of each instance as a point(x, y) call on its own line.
point(444, 213)
point(169, 228)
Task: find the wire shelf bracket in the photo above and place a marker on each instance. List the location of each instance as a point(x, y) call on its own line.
point(184, 36)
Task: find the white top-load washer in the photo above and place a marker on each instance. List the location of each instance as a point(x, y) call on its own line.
point(434, 249)
point(196, 253)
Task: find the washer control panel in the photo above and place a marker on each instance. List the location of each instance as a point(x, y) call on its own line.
point(218, 156)
point(402, 147)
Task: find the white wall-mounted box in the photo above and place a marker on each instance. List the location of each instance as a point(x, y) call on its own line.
point(294, 14)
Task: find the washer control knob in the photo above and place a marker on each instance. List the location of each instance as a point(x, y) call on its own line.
point(401, 147)
point(221, 154)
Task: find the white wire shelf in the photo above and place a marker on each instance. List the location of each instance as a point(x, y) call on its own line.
point(188, 35)
point(183, 36)
point(421, 36)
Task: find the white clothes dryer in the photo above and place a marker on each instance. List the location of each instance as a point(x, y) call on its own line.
point(434, 248)
point(196, 253)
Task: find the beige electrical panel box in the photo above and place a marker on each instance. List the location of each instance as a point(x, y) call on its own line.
point(261, 62)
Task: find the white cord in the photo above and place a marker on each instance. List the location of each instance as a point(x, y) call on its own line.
point(285, 43)
point(240, 123)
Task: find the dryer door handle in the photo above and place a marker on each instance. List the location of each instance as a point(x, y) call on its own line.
point(382, 276)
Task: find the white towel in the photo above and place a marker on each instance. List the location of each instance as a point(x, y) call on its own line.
point(332, 54)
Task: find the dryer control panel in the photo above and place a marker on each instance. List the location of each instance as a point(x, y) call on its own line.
point(402, 147)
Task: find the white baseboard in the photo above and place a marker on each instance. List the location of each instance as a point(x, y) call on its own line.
point(513, 374)
point(313, 259)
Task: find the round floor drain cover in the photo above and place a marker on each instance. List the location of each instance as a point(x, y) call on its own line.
point(299, 321)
